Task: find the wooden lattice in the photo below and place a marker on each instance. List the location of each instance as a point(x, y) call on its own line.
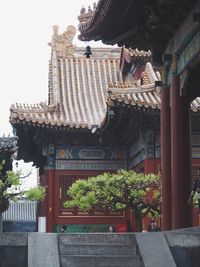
point(64, 183)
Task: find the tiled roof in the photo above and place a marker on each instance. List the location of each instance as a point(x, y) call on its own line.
point(135, 53)
point(77, 87)
point(8, 144)
point(149, 98)
point(132, 56)
point(87, 17)
point(80, 89)
point(141, 93)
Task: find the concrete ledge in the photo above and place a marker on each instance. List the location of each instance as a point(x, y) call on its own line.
point(182, 239)
point(102, 238)
point(154, 250)
point(99, 261)
point(13, 239)
point(185, 246)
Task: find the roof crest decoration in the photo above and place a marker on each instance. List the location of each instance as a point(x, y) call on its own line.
point(63, 43)
point(30, 108)
point(85, 15)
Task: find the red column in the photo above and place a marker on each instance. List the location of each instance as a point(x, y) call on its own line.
point(180, 156)
point(166, 158)
point(50, 200)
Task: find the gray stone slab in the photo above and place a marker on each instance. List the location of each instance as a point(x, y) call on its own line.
point(97, 249)
point(182, 239)
point(154, 250)
point(98, 261)
point(43, 250)
point(103, 238)
point(13, 239)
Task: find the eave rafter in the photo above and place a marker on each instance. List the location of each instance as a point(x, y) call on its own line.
point(137, 24)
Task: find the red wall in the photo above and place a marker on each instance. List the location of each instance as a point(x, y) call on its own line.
point(54, 212)
point(51, 205)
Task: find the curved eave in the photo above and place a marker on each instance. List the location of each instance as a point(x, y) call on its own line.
point(110, 15)
point(95, 20)
point(136, 24)
point(56, 125)
point(147, 100)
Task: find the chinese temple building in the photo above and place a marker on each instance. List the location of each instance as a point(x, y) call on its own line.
point(102, 115)
point(171, 30)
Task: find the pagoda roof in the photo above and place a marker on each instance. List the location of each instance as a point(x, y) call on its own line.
point(77, 86)
point(134, 23)
point(81, 90)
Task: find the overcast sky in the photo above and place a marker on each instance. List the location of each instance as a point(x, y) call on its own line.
point(26, 29)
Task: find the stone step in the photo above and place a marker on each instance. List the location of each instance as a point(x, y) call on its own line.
point(43, 250)
point(100, 261)
point(97, 249)
point(103, 238)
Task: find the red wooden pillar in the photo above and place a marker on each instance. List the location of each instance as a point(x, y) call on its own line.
point(166, 158)
point(50, 200)
point(180, 156)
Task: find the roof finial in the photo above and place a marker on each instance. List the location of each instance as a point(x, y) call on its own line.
point(89, 9)
point(94, 5)
point(55, 30)
point(63, 43)
point(82, 11)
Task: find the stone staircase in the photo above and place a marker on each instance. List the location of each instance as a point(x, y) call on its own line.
point(98, 250)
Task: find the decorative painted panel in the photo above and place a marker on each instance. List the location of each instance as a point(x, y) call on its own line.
point(148, 140)
point(157, 145)
point(88, 153)
point(195, 140)
point(184, 32)
point(189, 53)
point(195, 146)
point(90, 165)
point(196, 152)
point(146, 146)
point(90, 158)
point(49, 152)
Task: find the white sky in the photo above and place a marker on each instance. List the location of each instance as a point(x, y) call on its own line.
point(26, 29)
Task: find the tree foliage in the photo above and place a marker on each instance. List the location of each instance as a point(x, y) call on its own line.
point(10, 184)
point(119, 191)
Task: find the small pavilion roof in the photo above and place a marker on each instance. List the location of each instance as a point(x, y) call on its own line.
point(81, 89)
point(77, 86)
point(141, 93)
point(8, 145)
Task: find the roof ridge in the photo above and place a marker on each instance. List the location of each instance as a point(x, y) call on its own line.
point(39, 107)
